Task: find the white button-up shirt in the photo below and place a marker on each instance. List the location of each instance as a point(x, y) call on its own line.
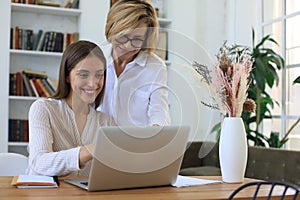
point(139, 96)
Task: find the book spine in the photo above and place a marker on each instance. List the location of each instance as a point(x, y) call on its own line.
point(20, 38)
point(34, 88)
point(27, 85)
point(16, 38)
point(41, 41)
point(12, 84)
point(38, 88)
point(19, 84)
point(11, 45)
point(48, 86)
point(52, 83)
point(37, 39)
point(46, 41)
point(44, 89)
point(26, 131)
point(36, 74)
point(29, 44)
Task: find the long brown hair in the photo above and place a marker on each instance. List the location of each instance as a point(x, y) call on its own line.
point(73, 54)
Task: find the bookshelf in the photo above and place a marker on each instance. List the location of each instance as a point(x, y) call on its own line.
point(165, 25)
point(36, 17)
point(47, 18)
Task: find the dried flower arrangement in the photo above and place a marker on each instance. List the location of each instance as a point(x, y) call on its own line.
point(228, 82)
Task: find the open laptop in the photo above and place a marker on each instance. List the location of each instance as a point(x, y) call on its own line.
point(134, 157)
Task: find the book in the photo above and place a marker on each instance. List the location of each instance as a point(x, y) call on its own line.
point(19, 84)
point(49, 3)
point(48, 86)
point(40, 82)
point(37, 74)
point(72, 4)
point(14, 130)
point(11, 44)
point(20, 35)
point(28, 39)
point(33, 88)
point(58, 47)
point(38, 87)
point(52, 83)
point(16, 37)
point(46, 41)
point(34, 181)
point(75, 4)
point(27, 85)
point(37, 39)
point(40, 44)
point(68, 4)
point(162, 46)
point(12, 83)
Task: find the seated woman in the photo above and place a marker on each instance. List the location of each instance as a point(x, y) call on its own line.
point(62, 129)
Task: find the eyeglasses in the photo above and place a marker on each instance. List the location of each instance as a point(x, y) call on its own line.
point(135, 42)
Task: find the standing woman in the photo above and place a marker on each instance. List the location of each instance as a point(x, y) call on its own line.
point(62, 129)
point(136, 91)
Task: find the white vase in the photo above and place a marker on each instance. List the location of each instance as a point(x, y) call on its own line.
point(233, 150)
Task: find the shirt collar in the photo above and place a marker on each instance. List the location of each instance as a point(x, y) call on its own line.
point(141, 58)
point(106, 47)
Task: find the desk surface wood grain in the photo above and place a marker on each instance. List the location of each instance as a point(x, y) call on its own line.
point(66, 191)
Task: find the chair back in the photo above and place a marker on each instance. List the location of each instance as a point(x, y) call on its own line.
point(12, 164)
point(285, 187)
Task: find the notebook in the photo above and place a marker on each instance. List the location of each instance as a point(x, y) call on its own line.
point(135, 157)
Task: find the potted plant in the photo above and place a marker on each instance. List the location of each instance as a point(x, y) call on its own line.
point(228, 81)
point(264, 73)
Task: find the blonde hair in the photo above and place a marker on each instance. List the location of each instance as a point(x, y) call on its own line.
point(127, 15)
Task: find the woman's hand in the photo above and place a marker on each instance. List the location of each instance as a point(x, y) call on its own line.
point(85, 154)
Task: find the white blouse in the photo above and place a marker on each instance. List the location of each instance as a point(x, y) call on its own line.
point(54, 140)
point(139, 96)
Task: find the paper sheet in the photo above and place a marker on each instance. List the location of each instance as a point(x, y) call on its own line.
point(183, 181)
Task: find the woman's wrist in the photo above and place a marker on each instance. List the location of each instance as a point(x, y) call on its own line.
point(85, 155)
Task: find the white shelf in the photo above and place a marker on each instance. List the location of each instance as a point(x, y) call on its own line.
point(164, 21)
point(35, 53)
point(18, 144)
point(45, 9)
point(23, 98)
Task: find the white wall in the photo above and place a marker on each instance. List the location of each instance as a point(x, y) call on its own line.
point(197, 35)
point(92, 27)
point(4, 61)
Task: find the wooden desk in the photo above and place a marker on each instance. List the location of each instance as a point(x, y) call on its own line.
point(69, 192)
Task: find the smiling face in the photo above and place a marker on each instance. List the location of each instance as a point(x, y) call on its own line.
point(86, 80)
point(128, 45)
point(126, 16)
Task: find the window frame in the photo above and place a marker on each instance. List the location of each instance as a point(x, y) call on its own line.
point(284, 116)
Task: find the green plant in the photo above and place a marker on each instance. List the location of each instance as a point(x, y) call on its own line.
point(297, 80)
point(264, 73)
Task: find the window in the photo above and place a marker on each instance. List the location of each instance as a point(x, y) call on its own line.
point(281, 19)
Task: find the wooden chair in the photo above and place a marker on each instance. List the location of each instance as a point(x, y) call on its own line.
point(12, 164)
point(272, 185)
